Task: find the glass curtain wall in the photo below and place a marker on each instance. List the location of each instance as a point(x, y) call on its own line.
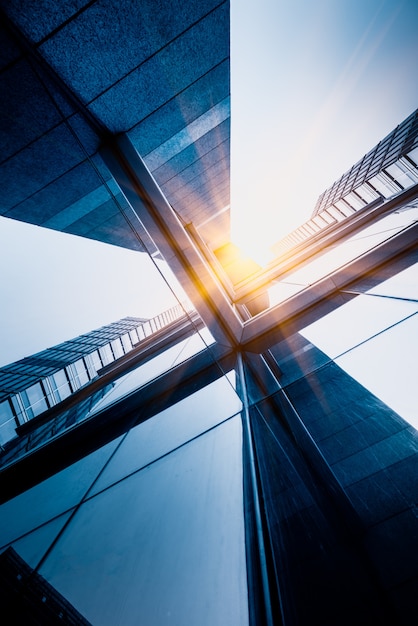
point(336, 449)
point(149, 528)
point(159, 525)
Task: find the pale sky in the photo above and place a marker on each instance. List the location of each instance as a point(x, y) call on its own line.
point(315, 85)
point(56, 286)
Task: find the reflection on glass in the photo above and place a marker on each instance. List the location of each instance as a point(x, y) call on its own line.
point(134, 336)
point(117, 348)
point(80, 372)
point(106, 354)
point(403, 285)
point(387, 366)
point(343, 253)
point(355, 322)
point(33, 546)
point(163, 546)
point(7, 422)
point(52, 497)
point(375, 340)
point(34, 400)
point(173, 427)
point(60, 385)
point(155, 367)
point(126, 342)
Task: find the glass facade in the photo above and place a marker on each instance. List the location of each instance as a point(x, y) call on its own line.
point(249, 457)
point(174, 484)
point(162, 503)
point(61, 382)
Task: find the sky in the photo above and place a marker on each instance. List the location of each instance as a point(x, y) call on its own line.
point(57, 286)
point(314, 86)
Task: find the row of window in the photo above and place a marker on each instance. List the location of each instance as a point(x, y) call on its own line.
point(399, 142)
point(55, 387)
point(387, 183)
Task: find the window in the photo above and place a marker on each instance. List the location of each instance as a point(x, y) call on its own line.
point(60, 385)
point(34, 400)
point(7, 422)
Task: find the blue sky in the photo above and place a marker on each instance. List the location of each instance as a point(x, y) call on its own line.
point(315, 85)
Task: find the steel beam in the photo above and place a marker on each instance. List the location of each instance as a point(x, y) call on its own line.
point(323, 296)
point(172, 240)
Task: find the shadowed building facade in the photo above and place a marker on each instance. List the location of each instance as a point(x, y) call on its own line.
point(254, 460)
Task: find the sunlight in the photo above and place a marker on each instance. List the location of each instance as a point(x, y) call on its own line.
point(300, 120)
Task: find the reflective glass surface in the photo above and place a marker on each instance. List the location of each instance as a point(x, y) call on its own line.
point(34, 400)
point(81, 372)
point(173, 427)
point(374, 338)
point(387, 366)
point(60, 385)
point(117, 348)
point(7, 422)
point(51, 497)
point(154, 367)
point(151, 549)
point(343, 253)
point(106, 354)
point(33, 545)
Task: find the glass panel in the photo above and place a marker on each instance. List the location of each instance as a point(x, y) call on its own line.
point(336, 213)
point(117, 348)
point(34, 400)
point(313, 225)
point(134, 336)
point(17, 405)
point(60, 385)
point(344, 207)
point(384, 185)
point(375, 340)
point(156, 366)
point(327, 217)
point(387, 366)
point(355, 322)
point(106, 354)
point(33, 546)
point(126, 342)
point(149, 327)
point(319, 220)
point(354, 201)
point(283, 290)
point(344, 253)
point(51, 497)
point(95, 359)
point(367, 193)
point(413, 155)
point(401, 174)
point(7, 422)
point(152, 548)
point(402, 285)
point(172, 427)
point(296, 357)
point(81, 372)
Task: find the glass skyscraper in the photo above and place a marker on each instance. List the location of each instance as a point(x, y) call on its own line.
point(253, 458)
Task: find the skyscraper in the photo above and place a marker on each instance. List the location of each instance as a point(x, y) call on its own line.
point(254, 461)
point(32, 385)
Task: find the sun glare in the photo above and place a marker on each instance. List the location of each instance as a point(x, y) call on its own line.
point(264, 170)
point(303, 89)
